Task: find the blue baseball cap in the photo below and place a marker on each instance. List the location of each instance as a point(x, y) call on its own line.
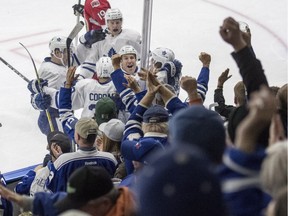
point(156, 114)
point(140, 150)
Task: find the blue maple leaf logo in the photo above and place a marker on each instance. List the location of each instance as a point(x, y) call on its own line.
point(164, 53)
point(111, 52)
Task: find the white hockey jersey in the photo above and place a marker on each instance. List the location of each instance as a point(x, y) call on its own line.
point(107, 47)
point(88, 92)
point(85, 94)
point(54, 73)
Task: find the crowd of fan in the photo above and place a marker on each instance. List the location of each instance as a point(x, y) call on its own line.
point(145, 152)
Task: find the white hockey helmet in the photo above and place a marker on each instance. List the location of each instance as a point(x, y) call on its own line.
point(58, 42)
point(104, 67)
point(128, 49)
point(162, 55)
point(113, 14)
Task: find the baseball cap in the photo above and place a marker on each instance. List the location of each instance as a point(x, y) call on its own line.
point(113, 129)
point(142, 150)
point(179, 181)
point(51, 134)
point(86, 126)
point(155, 114)
point(105, 109)
point(85, 183)
point(62, 140)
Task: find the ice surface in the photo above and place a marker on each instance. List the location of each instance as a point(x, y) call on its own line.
point(186, 26)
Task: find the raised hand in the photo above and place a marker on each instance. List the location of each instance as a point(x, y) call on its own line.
point(262, 106)
point(78, 9)
point(92, 37)
point(152, 83)
point(223, 78)
point(188, 83)
point(70, 77)
point(231, 33)
point(132, 83)
point(205, 58)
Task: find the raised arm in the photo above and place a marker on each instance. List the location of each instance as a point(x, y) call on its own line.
point(250, 68)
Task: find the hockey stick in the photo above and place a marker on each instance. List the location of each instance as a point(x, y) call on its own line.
point(77, 28)
point(77, 21)
point(41, 90)
point(14, 69)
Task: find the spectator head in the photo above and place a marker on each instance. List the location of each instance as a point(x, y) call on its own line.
point(282, 105)
point(199, 126)
point(273, 173)
point(155, 119)
point(179, 182)
point(105, 109)
point(112, 134)
point(236, 117)
point(86, 130)
point(240, 97)
point(85, 185)
point(60, 139)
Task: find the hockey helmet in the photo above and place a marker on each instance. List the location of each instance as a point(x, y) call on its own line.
point(104, 67)
point(113, 14)
point(58, 42)
point(128, 49)
point(162, 55)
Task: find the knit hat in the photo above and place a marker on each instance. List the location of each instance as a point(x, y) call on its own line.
point(86, 126)
point(199, 126)
point(155, 114)
point(113, 129)
point(179, 182)
point(85, 183)
point(105, 109)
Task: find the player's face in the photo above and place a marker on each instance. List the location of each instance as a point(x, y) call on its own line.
point(115, 26)
point(129, 63)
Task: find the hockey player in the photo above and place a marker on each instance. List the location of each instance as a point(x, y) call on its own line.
point(125, 64)
point(87, 92)
point(52, 73)
point(167, 68)
point(93, 12)
point(114, 40)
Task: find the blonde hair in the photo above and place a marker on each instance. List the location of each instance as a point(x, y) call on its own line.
point(110, 145)
point(273, 173)
point(240, 93)
point(161, 127)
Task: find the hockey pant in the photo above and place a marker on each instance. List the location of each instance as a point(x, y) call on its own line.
point(43, 123)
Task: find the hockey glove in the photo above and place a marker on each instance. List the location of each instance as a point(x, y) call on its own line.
point(78, 9)
point(173, 74)
point(34, 86)
point(40, 102)
point(92, 37)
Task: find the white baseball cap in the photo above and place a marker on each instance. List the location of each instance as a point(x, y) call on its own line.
point(113, 129)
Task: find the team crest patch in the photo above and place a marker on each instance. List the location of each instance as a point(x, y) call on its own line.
point(95, 3)
point(137, 145)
